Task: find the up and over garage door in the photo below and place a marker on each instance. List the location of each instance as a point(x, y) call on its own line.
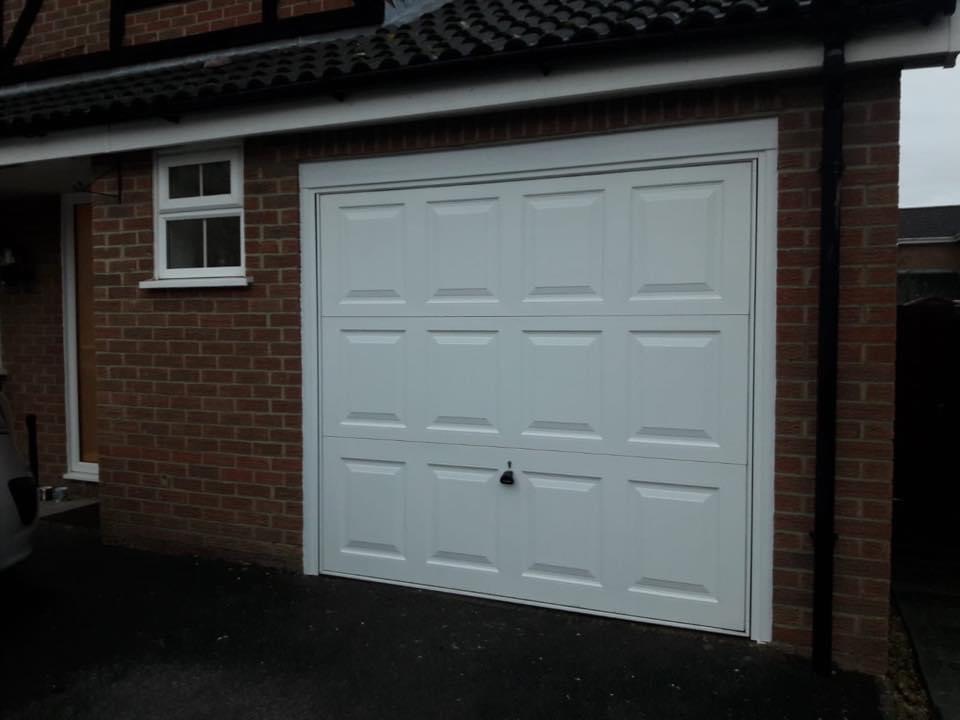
point(538, 386)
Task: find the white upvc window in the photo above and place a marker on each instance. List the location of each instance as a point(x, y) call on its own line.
point(199, 218)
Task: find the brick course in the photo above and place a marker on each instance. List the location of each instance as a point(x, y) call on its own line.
point(63, 28)
point(294, 8)
point(200, 390)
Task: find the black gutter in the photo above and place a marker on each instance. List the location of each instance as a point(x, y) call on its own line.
point(831, 170)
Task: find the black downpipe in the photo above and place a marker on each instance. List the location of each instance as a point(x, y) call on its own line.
point(824, 537)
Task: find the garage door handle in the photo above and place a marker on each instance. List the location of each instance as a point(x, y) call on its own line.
point(507, 478)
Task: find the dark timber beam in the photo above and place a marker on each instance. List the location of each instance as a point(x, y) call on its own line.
point(20, 31)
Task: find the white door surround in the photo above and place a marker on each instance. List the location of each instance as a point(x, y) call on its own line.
point(433, 348)
point(76, 468)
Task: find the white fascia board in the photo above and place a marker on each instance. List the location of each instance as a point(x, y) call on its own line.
point(935, 44)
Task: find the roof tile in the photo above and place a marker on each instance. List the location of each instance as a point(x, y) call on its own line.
point(457, 31)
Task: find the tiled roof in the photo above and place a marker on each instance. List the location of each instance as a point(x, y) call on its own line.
point(459, 31)
point(930, 222)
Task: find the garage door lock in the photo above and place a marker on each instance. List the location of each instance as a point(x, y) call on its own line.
point(507, 477)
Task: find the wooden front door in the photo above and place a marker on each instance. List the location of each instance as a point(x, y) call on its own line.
point(86, 347)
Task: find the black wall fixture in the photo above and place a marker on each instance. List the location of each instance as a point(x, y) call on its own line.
point(270, 28)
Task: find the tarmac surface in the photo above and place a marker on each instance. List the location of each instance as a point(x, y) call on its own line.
point(94, 632)
point(926, 589)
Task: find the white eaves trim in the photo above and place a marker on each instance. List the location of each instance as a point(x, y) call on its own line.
point(935, 44)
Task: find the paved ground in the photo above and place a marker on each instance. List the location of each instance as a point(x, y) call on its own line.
point(927, 592)
point(107, 633)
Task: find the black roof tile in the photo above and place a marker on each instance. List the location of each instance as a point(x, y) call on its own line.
point(458, 31)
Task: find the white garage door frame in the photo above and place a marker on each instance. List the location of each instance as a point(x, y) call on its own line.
point(753, 141)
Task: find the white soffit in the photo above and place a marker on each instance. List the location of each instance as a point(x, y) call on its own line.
point(935, 44)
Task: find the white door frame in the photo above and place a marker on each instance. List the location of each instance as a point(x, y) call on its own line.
point(752, 140)
point(76, 469)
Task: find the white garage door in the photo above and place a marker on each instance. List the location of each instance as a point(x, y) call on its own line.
point(589, 333)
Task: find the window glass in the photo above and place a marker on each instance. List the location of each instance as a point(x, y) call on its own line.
point(223, 242)
point(184, 244)
point(216, 178)
point(185, 181)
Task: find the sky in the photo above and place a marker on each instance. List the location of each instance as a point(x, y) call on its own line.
point(930, 138)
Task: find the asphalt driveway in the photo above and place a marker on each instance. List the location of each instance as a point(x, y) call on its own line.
point(96, 632)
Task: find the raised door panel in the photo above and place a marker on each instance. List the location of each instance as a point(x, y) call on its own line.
point(366, 496)
point(461, 384)
point(464, 517)
point(564, 527)
point(365, 380)
point(687, 389)
point(463, 237)
point(563, 381)
point(366, 258)
point(685, 544)
point(564, 237)
point(690, 239)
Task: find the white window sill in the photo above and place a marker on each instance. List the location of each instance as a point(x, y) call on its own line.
point(201, 282)
point(82, 476)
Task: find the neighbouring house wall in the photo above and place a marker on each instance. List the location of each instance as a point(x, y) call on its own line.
point(65, 28)
point(929, 258)
point(200, 389)
point(31, 323)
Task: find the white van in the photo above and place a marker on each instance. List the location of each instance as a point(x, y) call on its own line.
point(18, 497)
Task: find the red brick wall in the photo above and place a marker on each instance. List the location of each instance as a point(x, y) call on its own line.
point(937, 258)
point(200, 393)
point(293, 8)
point(31, 323)
point(189, 18)
point(66, 28)
point(63, 28)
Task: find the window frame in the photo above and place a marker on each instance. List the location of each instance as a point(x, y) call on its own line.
point(168, 209)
